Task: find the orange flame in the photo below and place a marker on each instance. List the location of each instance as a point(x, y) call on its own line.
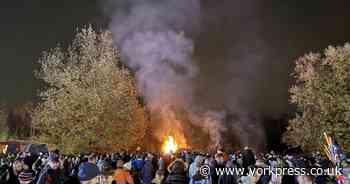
point(170, 145)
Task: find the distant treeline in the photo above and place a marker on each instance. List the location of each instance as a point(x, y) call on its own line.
point(16, 121)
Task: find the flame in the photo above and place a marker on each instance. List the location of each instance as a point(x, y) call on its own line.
point(170, 145)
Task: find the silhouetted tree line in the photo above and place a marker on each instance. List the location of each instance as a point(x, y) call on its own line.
point(16, 121)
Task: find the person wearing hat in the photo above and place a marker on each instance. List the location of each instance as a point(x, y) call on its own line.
point(121, 175)
point(51, 174)
point(88, 171)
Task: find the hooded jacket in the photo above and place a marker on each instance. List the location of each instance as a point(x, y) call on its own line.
point(177, 173)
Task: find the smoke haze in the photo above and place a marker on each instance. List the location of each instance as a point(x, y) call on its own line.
point(188, 55)
point(152, 43)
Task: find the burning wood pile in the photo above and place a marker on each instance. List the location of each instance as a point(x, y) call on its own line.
point(170, 146)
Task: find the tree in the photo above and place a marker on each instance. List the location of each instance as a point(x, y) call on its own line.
point(91, 102)
point(3, 126)
point(322, 96)
point(19, 120)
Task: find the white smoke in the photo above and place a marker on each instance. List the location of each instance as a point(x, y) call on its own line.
point(152, 38)
point(152, 43)
point(212, 122)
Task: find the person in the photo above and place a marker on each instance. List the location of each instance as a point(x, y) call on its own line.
point(26, 176)
point(161, 164)
point(67, 166)
point(88, 171)
point(14, 171)
point(121, 175)
point(217, 163)
point(177, 172)
point(248, 159)
point(229, 178)
point(147, 170)
point(287, 178)
point(194, 171)
point(51, 174)
point(324, 164)
point(138, 163)
point(37, 165)
point(194, 167)
point(136, 168)
point(158, 179)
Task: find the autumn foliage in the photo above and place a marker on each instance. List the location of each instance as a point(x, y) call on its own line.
point(90, 102)
point(322, 96)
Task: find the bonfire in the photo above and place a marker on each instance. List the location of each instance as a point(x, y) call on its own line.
point(170, 145)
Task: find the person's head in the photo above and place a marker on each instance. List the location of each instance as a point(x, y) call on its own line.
point(139, 156)
point(120, 164)
point(150, 156)
point(17, 166)
point(206, 161)
point(88, 173)
point(92, 158)
point(219, 157)
point(178, 166)
point(199, 160)
point(229, 164)
point(27, 164)
point(53, 161)
point(56, 151)
point(220, 151)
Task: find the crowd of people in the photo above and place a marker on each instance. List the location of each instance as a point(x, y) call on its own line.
point(149, 168)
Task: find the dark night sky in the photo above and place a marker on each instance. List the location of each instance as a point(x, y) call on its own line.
point(289, 28)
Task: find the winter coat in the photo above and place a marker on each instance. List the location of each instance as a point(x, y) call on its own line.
point(137, 164)
point(177, 173)
point(122, 176)
point(7, 176)
point(214, 177)
point(176, 178)
point(248, 158)
point(200, 182)
point(102, 166)
point(194, 167)
point(321, 179)
point(288, 179)
point(147, 172)
point(227, 179)
point(161, 164)
point(88, 171)
point(264, 179)
point(49, 176)
point(246, 180)
point(26, 176)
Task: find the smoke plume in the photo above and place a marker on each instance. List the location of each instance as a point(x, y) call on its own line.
point(150, 35)
point(157, 40)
